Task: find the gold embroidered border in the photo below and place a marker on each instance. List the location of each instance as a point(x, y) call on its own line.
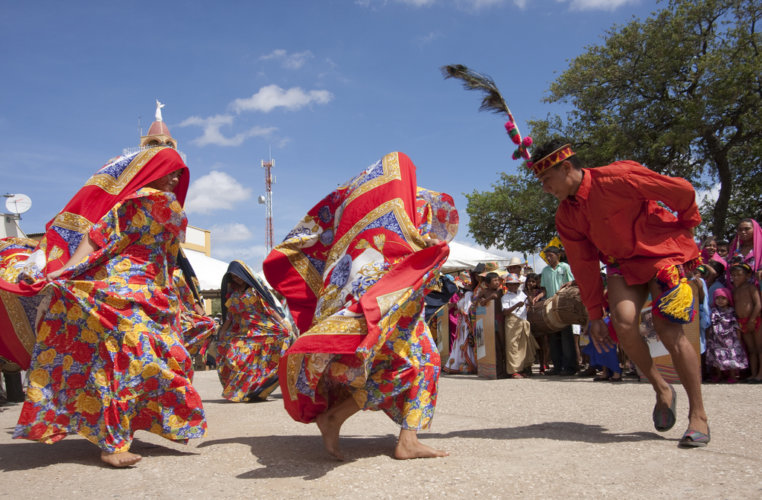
point(303, 266)
point(395, 206)
point(114, 186)
point(72, 221)
point(19, 319)
point(386, 301)
point(339, 325)
point(391, 168)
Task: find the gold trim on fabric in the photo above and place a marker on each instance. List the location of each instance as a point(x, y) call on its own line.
point(396, 206)
point(115, 186)
point(19, 319)
point(293, 369)
point(391, 168)
point(386, 301)
point(72, 221)
point(303, 266)
point(339, 325)
point(6, 242)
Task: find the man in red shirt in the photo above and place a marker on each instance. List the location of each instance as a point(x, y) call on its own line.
point(611, 214)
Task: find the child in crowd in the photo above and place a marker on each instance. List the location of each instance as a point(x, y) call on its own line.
point(704, 309)
point(462, 353)
point(715, 276)
point(722, 248)
point(535, 295)
point(748, 307)
point(490, 291)
point(520, 346)
point(724, 353)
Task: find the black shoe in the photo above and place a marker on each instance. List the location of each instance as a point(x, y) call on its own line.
point(568, 373)
point(552, 373)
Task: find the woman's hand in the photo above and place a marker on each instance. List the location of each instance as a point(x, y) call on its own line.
point(54, 275)
point(599, 336)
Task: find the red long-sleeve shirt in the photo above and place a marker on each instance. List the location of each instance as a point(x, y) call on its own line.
point(615, 213)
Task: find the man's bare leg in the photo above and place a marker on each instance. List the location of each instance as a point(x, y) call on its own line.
point(626, 302)
point(330, 421)
point(120, 459)
point(408, 446)
point(687, 366)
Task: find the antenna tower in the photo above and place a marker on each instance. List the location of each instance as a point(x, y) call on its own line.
point(269, 181)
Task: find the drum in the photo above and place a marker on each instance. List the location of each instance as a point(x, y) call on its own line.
point(563, 309)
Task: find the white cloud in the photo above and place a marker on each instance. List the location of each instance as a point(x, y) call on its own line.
point(289, 61)
point(215, 191)
point(428, 38)
point(418, 3)
point(252, 255)
point(213, 135)
point(234, 231)
point(521, 4)
point(599, 4)
point(476, 5)
point(272, 96)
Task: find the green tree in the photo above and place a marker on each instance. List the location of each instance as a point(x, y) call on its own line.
point(680, 92)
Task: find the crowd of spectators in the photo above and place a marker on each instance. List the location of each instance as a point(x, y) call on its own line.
point(728, 311)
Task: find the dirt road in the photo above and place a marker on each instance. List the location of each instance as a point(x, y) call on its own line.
point(534, 438)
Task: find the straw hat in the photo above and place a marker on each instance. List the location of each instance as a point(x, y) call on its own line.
point(515, 261)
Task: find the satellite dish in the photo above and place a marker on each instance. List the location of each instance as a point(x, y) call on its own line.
point(261, 200)
point(18, 203)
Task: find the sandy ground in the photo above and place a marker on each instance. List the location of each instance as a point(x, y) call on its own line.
point(539, 437)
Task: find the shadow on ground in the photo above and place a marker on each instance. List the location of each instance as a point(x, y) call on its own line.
point(25, 455)
point(305, 456)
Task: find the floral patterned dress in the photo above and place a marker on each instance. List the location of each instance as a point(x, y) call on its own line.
point(355, 272)
point(724, 349)
point(249, 352)
point(109, 358)
point(196, 328)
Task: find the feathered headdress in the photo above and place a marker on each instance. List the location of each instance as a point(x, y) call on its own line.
point(492, 101)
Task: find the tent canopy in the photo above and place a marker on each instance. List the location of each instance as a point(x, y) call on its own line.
point(463, 257)
point(209, 271)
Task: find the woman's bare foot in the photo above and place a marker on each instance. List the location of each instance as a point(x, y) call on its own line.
point(329, 428)
point(123, 459)
point(408, 446)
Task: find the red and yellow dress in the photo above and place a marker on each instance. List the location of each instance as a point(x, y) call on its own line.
point(250, 350)
point(354, 272)
point(197, 328)
point(109, 358)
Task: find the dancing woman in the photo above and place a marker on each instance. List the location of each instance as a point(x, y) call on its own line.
point(109, 358)
point(253, 336)
point(354, 272)
point(196, 326)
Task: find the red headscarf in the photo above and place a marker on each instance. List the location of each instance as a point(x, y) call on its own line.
point(110, 185)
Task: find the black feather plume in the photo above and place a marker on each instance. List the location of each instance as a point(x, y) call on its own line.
point(492, 101)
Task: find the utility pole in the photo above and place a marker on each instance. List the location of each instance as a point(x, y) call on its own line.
point(268, 202)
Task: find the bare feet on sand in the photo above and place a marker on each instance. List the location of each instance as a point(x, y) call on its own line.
point(124, 459)
point(409, 447)
point(329, 427)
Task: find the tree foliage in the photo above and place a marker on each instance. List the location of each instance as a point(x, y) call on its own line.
point(680, 92)
point(515, 215)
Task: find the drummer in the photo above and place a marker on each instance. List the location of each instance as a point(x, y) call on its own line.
point(612, 213)
point(562, 351)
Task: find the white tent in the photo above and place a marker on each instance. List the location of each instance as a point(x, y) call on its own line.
point(464, 257)
point(209, 271)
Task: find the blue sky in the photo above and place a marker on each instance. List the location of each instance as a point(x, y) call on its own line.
point(327, 86)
